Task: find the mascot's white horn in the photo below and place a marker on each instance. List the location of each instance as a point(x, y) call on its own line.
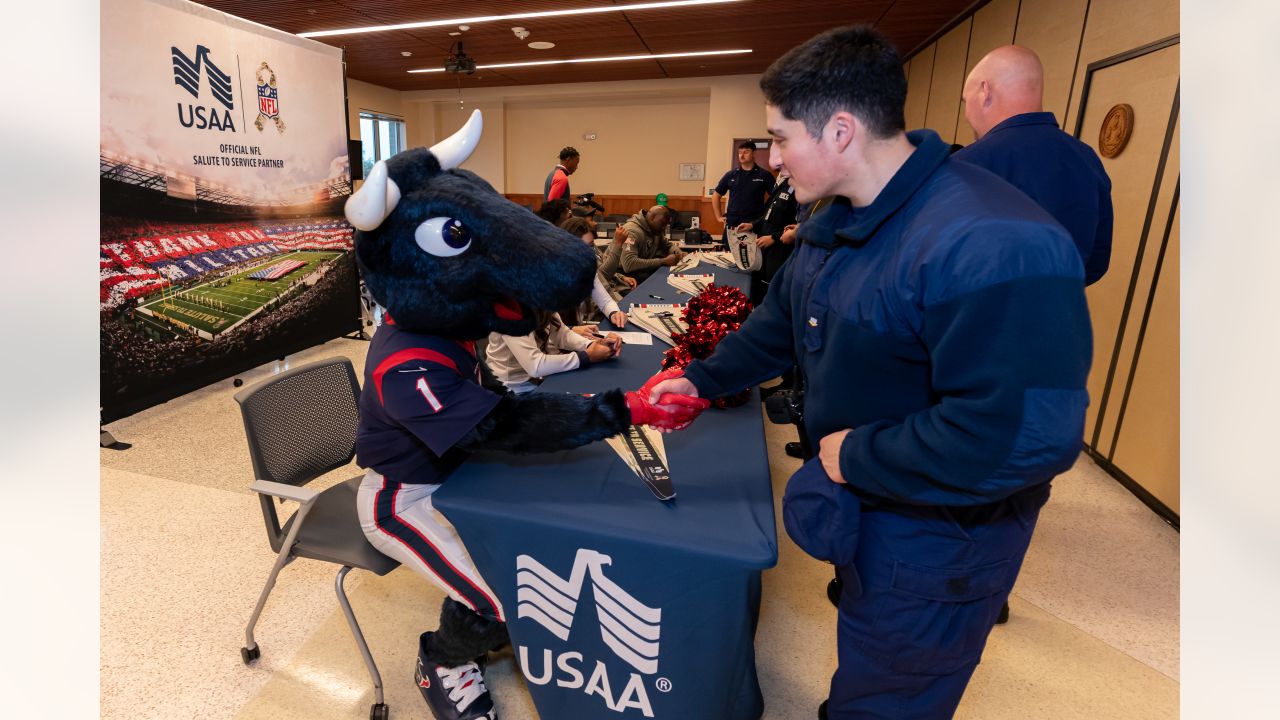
point(455, 149)
point(374, 201)
point(377, 197)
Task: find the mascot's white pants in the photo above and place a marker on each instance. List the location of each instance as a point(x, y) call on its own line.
point(401, 522)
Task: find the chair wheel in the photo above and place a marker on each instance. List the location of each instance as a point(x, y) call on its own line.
point(833, 591)
point(248, 656)
point(379, 712)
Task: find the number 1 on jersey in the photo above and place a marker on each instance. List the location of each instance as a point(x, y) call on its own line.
point(430, 396)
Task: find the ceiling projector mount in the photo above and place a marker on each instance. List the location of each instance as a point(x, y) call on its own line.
point(458, 63)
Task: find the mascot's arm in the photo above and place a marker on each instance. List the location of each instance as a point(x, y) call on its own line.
point(546, 422)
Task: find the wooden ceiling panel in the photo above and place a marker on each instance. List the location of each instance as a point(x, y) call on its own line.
point(908, 24)
point(769, 28)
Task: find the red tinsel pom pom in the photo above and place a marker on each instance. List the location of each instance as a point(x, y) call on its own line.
point(712, 314)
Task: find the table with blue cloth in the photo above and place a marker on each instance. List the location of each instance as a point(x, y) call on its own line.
point(618, 604)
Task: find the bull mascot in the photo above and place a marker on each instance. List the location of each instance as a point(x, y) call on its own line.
point(450, 260)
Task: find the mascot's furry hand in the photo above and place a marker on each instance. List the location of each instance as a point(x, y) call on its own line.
point(680, 410)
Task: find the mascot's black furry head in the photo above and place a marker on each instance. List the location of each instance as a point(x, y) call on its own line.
point(445, 254)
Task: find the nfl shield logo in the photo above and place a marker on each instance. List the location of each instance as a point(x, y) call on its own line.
point(267, 104)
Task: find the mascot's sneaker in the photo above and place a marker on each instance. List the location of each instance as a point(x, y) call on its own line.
point(453, 693)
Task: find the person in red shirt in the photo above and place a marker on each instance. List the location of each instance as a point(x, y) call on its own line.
point(557, 185)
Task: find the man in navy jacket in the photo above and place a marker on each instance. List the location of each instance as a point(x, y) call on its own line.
point(1021, 143)
point(938, 317)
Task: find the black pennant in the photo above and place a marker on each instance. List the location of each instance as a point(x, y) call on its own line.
point(653, 471)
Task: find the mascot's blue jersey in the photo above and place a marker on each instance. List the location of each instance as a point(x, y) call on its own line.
point(421, 396)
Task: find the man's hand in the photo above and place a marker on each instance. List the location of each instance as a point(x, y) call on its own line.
point(628, 281)
point(671, 259)
point(619, 318)
point(764, 241)
point(665, 410)
point(743, 227)
point(620, 235)
point(614, 341)
point(788, 235)
point(829, 454)
point(599, 351)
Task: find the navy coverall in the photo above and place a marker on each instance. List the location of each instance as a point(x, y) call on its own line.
point(946, 325)
point(1063, 175)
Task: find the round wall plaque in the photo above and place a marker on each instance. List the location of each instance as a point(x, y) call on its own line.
point(1117, 126)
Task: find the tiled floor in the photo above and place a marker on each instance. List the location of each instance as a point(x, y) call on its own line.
point(1094, 632)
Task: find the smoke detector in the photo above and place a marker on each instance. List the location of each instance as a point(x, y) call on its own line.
point(520, 33)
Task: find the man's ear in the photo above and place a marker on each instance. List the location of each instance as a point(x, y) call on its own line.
point(842, 127)
point(984, 94)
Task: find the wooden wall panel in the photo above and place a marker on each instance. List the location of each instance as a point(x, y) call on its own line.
point(992, 28)
point(1145, 277)
point(1053, 28)
point(1148, 83)
point(918, 88)
point(1116, 26)
point(1147, 449)
point(948, 77)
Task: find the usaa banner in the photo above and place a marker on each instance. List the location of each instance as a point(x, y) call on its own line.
point(223, 166)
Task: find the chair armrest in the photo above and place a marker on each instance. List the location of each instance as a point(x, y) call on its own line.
point(302, 495)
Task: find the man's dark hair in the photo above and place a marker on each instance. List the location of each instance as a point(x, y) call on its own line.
point(551, 210)
point(577, 226)
point(568, 152)
point(746, 145)
point(851, 68)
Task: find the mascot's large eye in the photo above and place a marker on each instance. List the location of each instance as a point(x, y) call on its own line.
point(443, 236)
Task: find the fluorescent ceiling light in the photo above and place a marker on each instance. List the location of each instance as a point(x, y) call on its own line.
point(516, 16)
point(594, 60)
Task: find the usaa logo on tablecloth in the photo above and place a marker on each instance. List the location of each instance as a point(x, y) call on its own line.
point(268, 98)
point(186, 75)
point(629, 628)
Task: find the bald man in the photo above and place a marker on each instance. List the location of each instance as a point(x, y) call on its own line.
point(646, 247)
point(1021, 143)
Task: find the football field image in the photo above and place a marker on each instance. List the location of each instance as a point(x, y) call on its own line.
point(216, 306)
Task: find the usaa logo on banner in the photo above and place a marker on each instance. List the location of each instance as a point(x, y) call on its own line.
point(630, 629)
point(186, 74)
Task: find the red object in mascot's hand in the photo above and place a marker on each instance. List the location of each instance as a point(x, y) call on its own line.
point(678, 410)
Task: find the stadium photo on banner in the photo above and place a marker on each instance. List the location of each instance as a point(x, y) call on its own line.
point(223, 168)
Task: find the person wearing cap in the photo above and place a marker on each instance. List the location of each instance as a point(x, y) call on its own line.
point(775, 234)
point(557, 183)
point(747, 185)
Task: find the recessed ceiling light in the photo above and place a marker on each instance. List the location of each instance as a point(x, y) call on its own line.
point(406, 53)
point(594, 60)
point(454, 34)
point(514, 16)
point(541, 45)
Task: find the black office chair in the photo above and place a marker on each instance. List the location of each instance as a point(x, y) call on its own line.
point(300, 425)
